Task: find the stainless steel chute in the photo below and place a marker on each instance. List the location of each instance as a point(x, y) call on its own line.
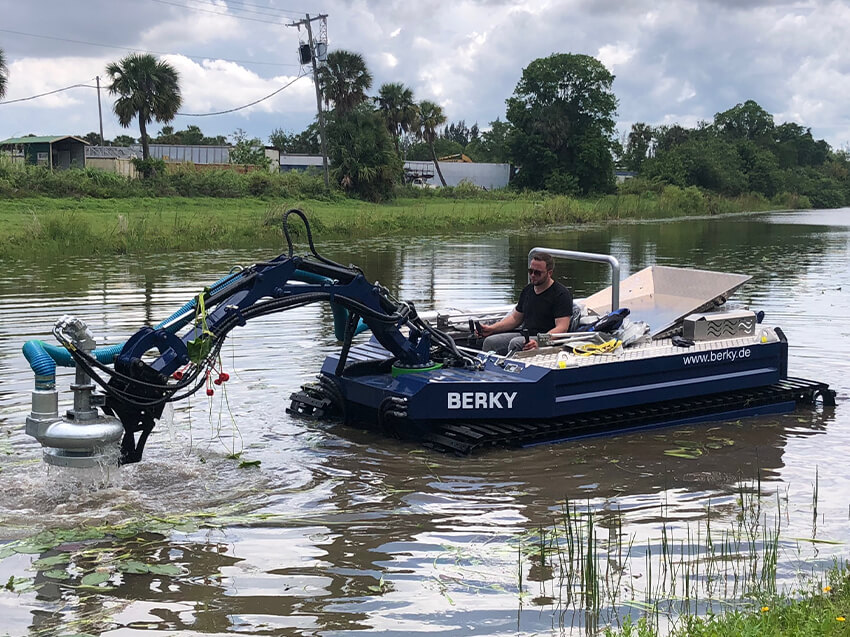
point(662, 296)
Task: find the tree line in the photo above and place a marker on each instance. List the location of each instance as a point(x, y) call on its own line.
point(558, 134)
point(742, 150)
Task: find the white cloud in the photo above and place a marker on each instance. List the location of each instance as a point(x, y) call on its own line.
point(216, 85)
point(194, 28)
point(613, 55)
point(389, 60)
point(33, 76)
point(674, 61)
point(687, 92)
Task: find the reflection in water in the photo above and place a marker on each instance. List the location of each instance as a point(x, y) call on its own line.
point(340, 531)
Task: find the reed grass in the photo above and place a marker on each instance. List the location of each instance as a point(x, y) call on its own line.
point(56, 226)
point(702, 577)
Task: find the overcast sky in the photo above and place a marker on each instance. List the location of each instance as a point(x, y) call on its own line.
point(675, 61)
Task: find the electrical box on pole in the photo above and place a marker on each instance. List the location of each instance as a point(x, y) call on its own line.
point(305, 56)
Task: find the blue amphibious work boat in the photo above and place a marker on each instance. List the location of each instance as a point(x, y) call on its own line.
point(676, 353)
point(694, 360)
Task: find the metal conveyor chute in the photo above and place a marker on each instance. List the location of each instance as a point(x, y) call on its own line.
point(662, 296)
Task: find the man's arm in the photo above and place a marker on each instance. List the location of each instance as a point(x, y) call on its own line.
point(562, 325)
point(510, 322)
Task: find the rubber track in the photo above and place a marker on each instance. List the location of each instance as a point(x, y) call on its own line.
point(464, 438)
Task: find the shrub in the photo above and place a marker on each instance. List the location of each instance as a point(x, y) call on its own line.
point(150, 167)
point(680, 201)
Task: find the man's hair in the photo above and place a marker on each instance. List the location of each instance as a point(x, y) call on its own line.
point(545, 257)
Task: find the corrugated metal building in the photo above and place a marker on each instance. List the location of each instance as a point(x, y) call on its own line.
point(59, 152)
point(200, 155)
point(299, 162)
point(116, 159)
point(192, 154)
point(489, 176)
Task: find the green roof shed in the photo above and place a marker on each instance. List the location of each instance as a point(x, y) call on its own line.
point(59, 152)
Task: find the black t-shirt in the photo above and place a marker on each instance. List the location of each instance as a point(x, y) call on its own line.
point(539, 311)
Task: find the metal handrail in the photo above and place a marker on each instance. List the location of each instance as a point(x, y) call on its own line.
point(594, 258)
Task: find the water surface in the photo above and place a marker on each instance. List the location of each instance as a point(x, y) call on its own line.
point(339, 531)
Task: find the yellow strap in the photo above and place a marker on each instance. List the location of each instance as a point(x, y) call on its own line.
point(201, 314)
point(590, 349)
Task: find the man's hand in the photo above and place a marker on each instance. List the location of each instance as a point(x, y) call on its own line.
point(532, 344)
point(485, 330)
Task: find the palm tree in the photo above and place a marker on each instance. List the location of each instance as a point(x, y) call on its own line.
point(148, 89)
point(4, 75)
point(344, 80)
point(430, 117)
point(396, 105)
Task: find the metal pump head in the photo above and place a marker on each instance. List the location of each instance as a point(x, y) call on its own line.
point(81, 438)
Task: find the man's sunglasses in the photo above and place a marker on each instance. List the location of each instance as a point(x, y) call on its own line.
point(533, 271)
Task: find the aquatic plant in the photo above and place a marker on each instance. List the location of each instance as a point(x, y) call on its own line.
point(677, 578)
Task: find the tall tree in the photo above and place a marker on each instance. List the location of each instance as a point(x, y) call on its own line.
point(4, 74)
point(562, 111)
point(431, 117)
point(92, 138)
point(192, 136)
point(344, 80)
point(123, 140)
point(362, 157)
point(492, 145)
point(248, 150)
point(457, 132)
point(396, 105)
point(148, 90)
point(745, 121)
point(306, 142)
point(637, 146)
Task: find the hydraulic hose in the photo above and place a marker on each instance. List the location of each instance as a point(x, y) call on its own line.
point(43, 357)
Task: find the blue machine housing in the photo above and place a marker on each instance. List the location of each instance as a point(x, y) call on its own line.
point(513, 402)
point(517, 390)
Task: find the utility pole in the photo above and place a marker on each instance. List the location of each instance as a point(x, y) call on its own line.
point(99, 112)
point(307, 23)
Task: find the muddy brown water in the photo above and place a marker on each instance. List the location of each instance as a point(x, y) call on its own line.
point(339, 531)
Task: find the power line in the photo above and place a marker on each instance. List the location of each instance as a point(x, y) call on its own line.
point(58, 90)
point(275, 13)
point(231, 110)
point(226, 15)
point(239, 108)
point(125, 48)
point(247, 4)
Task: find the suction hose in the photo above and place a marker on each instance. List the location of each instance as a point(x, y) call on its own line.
point(43, 358)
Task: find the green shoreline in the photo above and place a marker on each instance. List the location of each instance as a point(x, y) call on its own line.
point(53, 226)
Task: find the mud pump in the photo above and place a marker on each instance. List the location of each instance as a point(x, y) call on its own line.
point(171, 361)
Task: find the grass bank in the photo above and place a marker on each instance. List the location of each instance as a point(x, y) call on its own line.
point(86, 225)
point(816, 612)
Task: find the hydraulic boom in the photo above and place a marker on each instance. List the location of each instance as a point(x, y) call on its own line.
point(137, 387)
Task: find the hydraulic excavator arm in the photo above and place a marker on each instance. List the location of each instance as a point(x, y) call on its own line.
point(139, 384)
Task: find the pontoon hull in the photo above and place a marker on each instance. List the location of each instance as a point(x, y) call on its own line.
point(518, 403)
